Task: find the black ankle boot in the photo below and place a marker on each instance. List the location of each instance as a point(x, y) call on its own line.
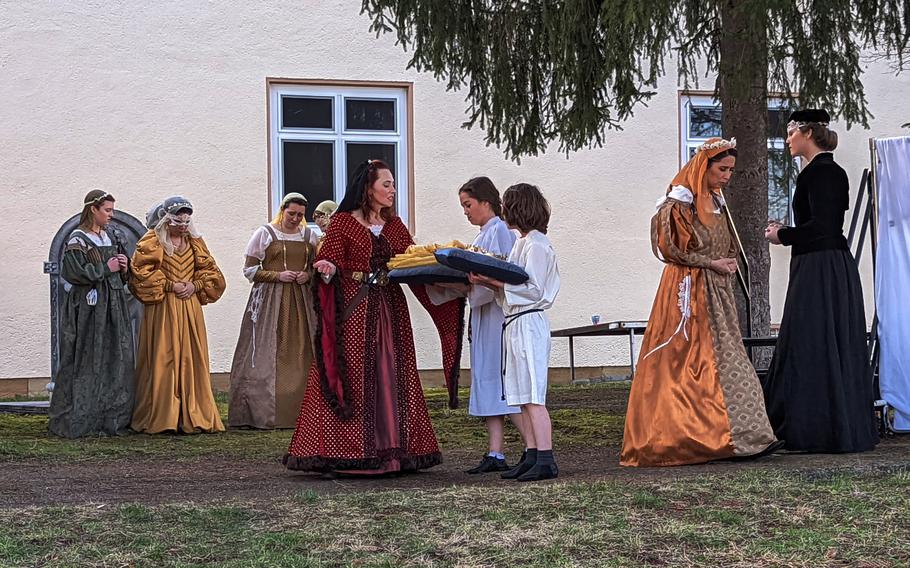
point(528, 459)
point(539, 472)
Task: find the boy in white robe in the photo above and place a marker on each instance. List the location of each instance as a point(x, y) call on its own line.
point(526, 332)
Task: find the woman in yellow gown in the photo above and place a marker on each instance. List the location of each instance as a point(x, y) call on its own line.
point(174, 275)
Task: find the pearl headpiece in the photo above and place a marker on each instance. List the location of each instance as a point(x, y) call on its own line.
point(718, 144)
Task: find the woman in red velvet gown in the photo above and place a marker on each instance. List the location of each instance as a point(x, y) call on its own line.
point(364, 411)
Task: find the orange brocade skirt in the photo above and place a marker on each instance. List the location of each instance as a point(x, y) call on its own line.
point(695, 396)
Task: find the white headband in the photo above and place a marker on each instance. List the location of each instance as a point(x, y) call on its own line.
point(793, 125)
point(101, 197)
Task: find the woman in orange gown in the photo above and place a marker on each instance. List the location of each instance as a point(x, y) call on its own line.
point(695, 396)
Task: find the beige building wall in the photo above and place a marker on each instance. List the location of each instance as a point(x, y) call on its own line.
point(151, 99)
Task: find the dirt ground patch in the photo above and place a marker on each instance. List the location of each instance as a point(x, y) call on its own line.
point(204, 478)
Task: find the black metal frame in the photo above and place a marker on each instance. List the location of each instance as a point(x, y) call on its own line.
point(744, 279)
point(867, 196)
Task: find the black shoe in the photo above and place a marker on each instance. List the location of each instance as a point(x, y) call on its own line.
point(539, 472)
point(516, 471)
point(773, 447)
point(488, 464)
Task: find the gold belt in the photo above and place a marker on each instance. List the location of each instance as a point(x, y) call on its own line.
point(378, 278)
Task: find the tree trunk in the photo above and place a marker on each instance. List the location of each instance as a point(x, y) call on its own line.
point(743, 91)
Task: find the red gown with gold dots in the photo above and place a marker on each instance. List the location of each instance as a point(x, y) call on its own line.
point(364, 409)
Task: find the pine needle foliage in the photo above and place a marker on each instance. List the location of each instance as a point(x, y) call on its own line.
point(541, 71)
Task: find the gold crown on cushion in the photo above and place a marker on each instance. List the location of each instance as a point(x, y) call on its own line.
point(718, 144)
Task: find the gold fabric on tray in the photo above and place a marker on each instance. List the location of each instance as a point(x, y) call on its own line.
point(421, 255)
point(173, 385)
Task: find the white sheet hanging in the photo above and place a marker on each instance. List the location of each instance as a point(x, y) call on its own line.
point(892, 274)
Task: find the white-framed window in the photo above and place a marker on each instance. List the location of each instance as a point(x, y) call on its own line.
point(319, 133)
point(701, 119)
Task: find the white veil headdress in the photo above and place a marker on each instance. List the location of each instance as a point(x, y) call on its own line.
point(167, 213)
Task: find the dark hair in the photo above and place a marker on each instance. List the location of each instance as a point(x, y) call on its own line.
point(722, 155)
point(525, 208)
point(482, 189)
point(295, 201)
point(356, 196)
point(93, 200)
point(825, 139)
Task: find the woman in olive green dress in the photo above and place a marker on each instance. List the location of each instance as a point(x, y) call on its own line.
point(94, 385)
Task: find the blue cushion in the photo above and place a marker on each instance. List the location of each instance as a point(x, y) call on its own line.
point(483, 264)
point(434, 274)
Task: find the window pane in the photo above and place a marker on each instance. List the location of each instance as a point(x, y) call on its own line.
point(777, 122)
point(306, 112)
point(704, 122)
point(782, 171)
point(357, 153)
point(360, 114)
point(308, 169)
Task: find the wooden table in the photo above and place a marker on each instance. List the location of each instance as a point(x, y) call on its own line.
point(25, 407)
point(630, 329)
point(620, 328)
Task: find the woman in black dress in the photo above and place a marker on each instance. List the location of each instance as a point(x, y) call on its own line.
point(819, 392)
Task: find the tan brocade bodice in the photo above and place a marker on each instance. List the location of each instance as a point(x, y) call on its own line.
point(287, 255)
point(715, 241)
point(679, 237)
point(180, 266)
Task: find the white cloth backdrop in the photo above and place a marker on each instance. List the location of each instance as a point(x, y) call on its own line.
point(892, 277)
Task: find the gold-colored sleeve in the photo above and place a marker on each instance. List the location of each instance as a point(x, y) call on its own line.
point(207, 277)
point(148, 282)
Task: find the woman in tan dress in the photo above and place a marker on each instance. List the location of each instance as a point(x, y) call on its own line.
point(174, 275)
point(695, 396)
point(275, 350)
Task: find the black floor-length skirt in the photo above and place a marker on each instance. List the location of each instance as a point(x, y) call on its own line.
point(819, 392)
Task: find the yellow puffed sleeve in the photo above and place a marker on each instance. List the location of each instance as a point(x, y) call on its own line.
point(148, 281)
point(207, 277)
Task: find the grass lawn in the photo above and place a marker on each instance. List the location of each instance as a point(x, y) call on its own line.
point(749, 519)
point(726, 516)
point(26, 437)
